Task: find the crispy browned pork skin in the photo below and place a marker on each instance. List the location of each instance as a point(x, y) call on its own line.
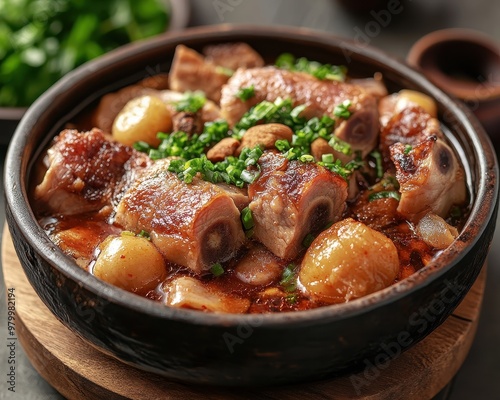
point(321, 98)
point(86, 172)
point(291, 199)
point(194, 225)
point(270, 83)
point(410, 126)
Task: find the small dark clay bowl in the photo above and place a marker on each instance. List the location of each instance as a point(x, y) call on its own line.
point(225, 349)
point(466, 64)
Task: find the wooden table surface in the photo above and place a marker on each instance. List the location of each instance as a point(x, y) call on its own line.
point(479, 377)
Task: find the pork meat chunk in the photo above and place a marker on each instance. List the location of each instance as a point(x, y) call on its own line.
point(409, 126)
point(87, 171)
point(430, 178)
point(238, 195)
point(194, 225)
point(360, 130)
point(233, 56)
point(291, 199)
point(190, 71)
point(270, 83)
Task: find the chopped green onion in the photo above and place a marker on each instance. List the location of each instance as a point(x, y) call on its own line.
point(43, 39)
point(285, 61)
point(389, 181)
point(191, 159)
point(191, 102)
point(295, 113)
point(291, 298)
point(180, 144)
point(251, 156)
point(144, 234)
point(314, 68)
point(288, 277)
point(248, 176)
point(340, 145)
point(232, 170)
point(247, 218)
point(264, 112)
point(142, 146)
point(289, 282)
point(293, 153)
point(336, 167)
point(155, 154)
point(306, 158)
point(342, 110)
point(305, 132)
point(309, 238)
point(282, 145)
point(224, 70)
point(352, 165)
point(217, 269)
point(379, 168)
point(408, 148)
point(327, 158)
point(384, 195)
point(246, 93)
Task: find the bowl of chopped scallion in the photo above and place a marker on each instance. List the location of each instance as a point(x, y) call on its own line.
point(42, 40)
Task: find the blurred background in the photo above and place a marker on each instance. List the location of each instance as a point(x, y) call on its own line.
point(41, 40)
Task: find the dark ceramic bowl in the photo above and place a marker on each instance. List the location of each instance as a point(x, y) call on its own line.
point(225, 349)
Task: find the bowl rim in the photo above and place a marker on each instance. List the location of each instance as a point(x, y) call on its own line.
point(481, 211)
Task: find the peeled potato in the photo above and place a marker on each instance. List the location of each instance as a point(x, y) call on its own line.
point(406, 96)
point(140, 120)
point(347, 261)
point(130, 262)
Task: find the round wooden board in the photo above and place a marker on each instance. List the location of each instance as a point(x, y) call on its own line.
point(79, 371)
